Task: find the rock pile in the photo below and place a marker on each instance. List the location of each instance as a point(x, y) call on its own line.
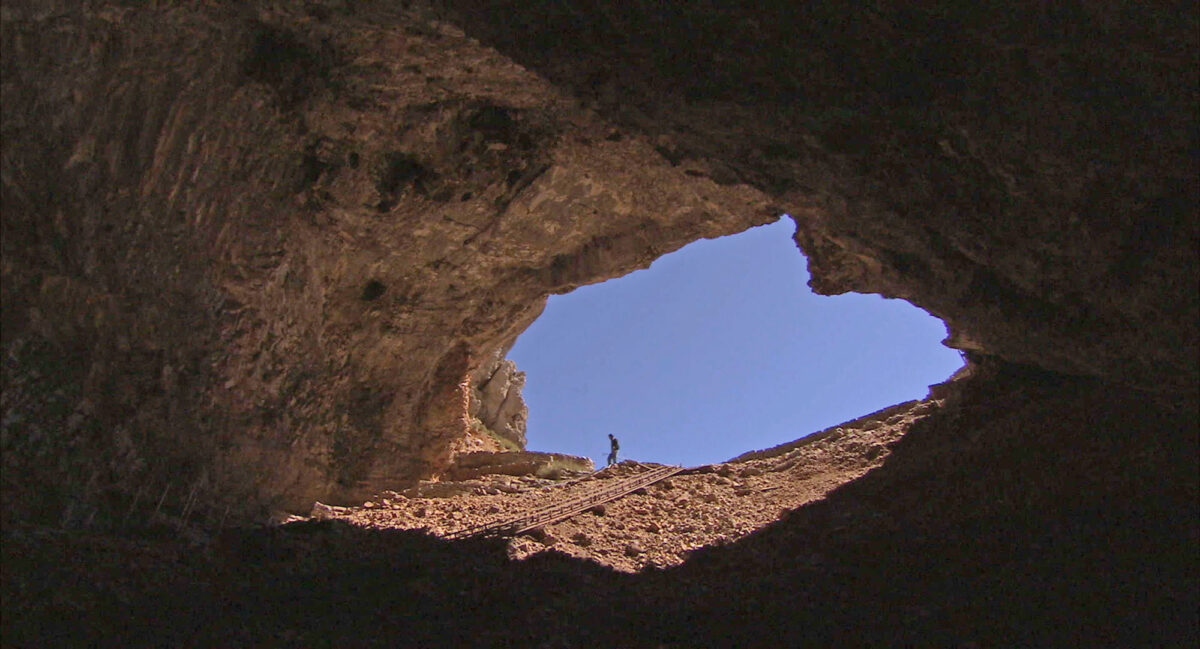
point(656, 526)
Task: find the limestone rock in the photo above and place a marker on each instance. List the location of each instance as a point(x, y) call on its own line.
point(321, 511)
point(496, 399)
point(523, 463)
point(542, 536)
point(271, 246)
point(285, 244)
point(1053, 229)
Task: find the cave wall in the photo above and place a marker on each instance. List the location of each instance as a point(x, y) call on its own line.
point(1025, 172)
point(252, 253)
point(495, 399)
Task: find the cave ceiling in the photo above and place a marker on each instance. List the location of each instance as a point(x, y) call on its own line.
point(266, 245)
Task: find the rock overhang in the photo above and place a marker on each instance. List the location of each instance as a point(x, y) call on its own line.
point(362, 224)
point(1023, 173)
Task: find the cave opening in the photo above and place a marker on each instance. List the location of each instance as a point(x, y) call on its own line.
point(718, 349)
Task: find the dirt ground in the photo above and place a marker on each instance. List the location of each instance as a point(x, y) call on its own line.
point(658, 526)
point(1028, 510)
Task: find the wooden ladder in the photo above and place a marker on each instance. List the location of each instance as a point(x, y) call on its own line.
point(561, 511)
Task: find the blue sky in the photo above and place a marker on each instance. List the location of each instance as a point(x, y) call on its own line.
point(717, 349)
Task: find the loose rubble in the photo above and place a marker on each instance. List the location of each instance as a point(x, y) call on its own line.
point(656, 526)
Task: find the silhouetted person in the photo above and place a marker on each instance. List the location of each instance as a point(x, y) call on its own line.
point(616, 446)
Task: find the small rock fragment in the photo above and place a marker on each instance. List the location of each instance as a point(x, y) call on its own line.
point(321, 511)
point(540, 535)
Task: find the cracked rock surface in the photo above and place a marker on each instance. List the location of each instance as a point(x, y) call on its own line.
point(268, 245)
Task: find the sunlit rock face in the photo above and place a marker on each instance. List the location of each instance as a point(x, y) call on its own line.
point(256, 256)
point(253, 255)
point(496, 401)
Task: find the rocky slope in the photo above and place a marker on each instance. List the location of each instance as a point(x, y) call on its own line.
point(658, 526)
point(1010, 516)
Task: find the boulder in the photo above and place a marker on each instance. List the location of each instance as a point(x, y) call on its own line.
point(521, 463)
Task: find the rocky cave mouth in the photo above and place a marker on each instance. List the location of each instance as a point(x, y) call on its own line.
point(715, 350)
point(255, 255)
point(777, 426)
